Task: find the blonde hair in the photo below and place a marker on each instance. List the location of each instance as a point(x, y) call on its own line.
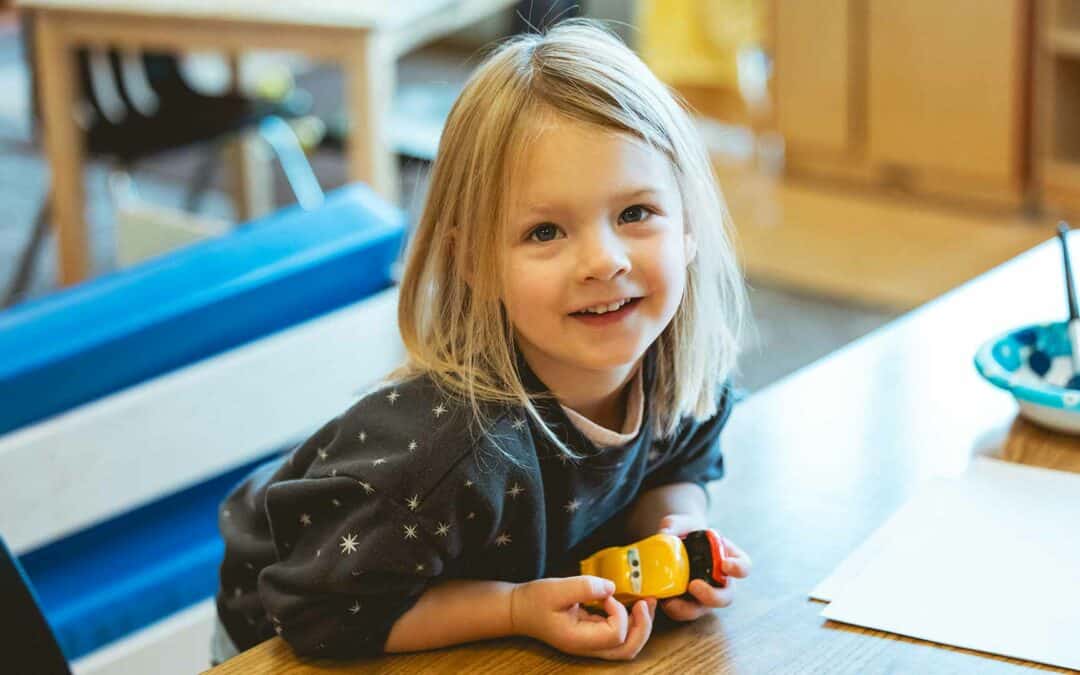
point(450, 314)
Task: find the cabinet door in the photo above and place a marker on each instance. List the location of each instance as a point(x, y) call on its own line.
point(946, 85)
point(814, 71)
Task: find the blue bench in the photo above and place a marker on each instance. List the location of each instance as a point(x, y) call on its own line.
point(123, 328)
point(84, 343)
point(109, 580)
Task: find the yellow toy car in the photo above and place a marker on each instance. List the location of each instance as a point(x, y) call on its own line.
point(660, 566)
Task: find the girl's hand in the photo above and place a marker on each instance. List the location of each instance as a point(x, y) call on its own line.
point(705, 596)
point(551, 610)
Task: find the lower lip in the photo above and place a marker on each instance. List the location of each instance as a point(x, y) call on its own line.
point(608, 317)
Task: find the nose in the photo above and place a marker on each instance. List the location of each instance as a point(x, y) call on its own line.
point(603, 255)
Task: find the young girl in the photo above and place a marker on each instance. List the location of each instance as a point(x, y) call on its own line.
point(571, 308)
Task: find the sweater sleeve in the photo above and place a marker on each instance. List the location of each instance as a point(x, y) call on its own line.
point(350, 563)
point(331, 545)
point(693, 455)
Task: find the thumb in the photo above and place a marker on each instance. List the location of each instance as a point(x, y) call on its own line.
point(586, 588)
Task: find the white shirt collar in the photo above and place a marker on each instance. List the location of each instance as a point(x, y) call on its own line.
point(602, 437)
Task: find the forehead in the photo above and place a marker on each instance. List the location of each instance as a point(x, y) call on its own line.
point(569, 161)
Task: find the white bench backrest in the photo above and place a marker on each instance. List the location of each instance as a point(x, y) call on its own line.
point(127, 449)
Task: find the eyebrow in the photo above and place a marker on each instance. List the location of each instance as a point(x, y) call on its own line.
point(636, 192)
point(625, 195)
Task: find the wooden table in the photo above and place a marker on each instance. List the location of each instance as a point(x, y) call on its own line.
point(365, 36)
point(817, 462)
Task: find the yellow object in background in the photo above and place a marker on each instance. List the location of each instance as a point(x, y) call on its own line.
point(697, 42)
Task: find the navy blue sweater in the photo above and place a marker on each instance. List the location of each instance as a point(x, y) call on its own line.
point(330, 544)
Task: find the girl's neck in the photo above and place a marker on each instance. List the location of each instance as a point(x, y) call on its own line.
point(598, 395)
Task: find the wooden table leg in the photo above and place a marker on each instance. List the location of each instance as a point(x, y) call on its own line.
point(369, 89)
point(56, 73)
point(251, 177)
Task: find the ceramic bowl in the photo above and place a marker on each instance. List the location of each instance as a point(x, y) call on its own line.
point(1034, 364)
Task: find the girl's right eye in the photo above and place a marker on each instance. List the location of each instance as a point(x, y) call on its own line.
point(545, 232)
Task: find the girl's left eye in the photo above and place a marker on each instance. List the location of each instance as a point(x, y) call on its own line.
point(544, 232)
point(635, 214)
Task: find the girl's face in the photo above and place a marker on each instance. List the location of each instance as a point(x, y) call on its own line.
point(595, 223)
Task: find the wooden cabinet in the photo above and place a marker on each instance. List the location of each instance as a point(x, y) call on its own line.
point(1057, 114)
point(817, 95)
point(920, 95)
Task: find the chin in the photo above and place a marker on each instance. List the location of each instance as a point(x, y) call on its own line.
point(606, 360)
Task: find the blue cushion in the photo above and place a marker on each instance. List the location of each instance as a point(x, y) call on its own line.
point(114, 578)
point(101, 336)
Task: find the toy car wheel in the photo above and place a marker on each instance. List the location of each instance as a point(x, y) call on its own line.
point(706, 554)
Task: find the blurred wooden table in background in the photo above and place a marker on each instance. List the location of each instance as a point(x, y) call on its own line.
point(365, 38)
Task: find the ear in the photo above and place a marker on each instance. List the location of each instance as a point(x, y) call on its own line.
point(689, 247)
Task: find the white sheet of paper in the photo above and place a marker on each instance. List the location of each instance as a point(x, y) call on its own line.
point(989, 560)
point(910, 516)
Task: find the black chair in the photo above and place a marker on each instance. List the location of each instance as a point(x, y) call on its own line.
point(139, 105)
point(27, 643)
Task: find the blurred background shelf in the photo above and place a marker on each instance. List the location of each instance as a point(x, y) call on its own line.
point(917, 96)
point(1057, 87)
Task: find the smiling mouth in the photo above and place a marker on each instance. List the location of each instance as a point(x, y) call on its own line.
point(600, 310)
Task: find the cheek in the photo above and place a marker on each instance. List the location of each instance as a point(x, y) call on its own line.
point(665, 270)
point(530, 292)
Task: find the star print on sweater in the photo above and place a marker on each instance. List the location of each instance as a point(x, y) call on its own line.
point(402, 490)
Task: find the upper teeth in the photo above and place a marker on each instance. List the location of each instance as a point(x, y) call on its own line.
point(602, 309)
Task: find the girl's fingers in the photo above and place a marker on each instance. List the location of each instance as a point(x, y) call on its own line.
point(584, 615)
point(680, 609)
point(641, 625)
point(705, 597)
point(617, 618)
point(711, 596)
point(736, 567)
point(736, 561)
point(591, 636)
point(737, 558)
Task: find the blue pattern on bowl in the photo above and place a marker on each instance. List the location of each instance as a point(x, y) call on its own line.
point(1007, 362)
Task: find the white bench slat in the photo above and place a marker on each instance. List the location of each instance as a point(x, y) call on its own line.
point(127, 449)
point(179, 644)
